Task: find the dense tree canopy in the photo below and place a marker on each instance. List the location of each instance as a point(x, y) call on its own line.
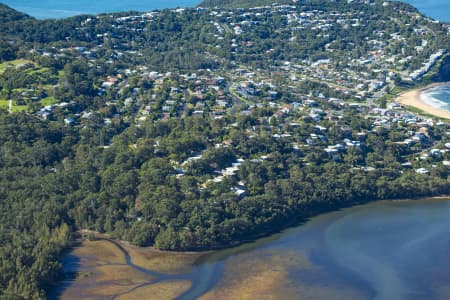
point(207, 166)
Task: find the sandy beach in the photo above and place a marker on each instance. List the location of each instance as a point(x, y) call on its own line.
point(412, 98)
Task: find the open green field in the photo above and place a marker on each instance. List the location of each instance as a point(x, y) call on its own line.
point(38, 70)
point(48, 101)
point(18, 108)
point(3, 104)
point(15, 108)
point(13, 63)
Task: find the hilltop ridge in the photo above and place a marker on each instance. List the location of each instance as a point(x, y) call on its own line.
point(256, 3)
point(8, 14)
point(196, 129)
point(238, 3)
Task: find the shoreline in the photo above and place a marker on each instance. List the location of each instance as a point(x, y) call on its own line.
point(152, 250)
point(412, 98)
point(145, 268)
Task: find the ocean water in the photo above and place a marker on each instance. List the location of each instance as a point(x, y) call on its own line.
point(438, 96)
point(437, 9)
point(440, 10)
point(55, 9)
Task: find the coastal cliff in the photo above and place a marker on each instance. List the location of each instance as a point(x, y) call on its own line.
point(443, 73)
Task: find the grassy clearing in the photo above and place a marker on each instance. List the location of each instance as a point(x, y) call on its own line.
point(48, 101)
point(163, 262)
point(38, 71)
point(4, 104)
point(14, 63)
point(19, 108)
point(162, 290)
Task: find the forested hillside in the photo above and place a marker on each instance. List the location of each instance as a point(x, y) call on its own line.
point(199, 129)
point(237, 3)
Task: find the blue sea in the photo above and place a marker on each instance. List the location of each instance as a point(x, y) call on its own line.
point(55, 9)
point(438, 97)
point(43, 9)
point(436, 9)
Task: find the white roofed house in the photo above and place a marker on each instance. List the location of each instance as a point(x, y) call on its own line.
point(422, 171)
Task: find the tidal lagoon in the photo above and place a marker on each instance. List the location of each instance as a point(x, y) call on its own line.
point(382, 250)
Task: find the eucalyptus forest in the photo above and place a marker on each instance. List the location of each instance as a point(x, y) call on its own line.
point(202, 128)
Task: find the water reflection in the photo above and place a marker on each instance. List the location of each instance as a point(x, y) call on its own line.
point(383, 250)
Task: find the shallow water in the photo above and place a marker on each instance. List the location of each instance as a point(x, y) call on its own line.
point(383, 250)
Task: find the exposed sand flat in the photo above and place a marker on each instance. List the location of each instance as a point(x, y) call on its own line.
point(412, 98)
point(157, 291)
point(101, 272)
point(162, 261)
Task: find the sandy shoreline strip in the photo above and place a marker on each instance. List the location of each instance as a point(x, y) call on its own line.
point(412, 98)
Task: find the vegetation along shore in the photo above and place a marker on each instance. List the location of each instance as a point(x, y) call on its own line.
point(203, 128)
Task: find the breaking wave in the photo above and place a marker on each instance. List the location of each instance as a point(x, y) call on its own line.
point(438, 97)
